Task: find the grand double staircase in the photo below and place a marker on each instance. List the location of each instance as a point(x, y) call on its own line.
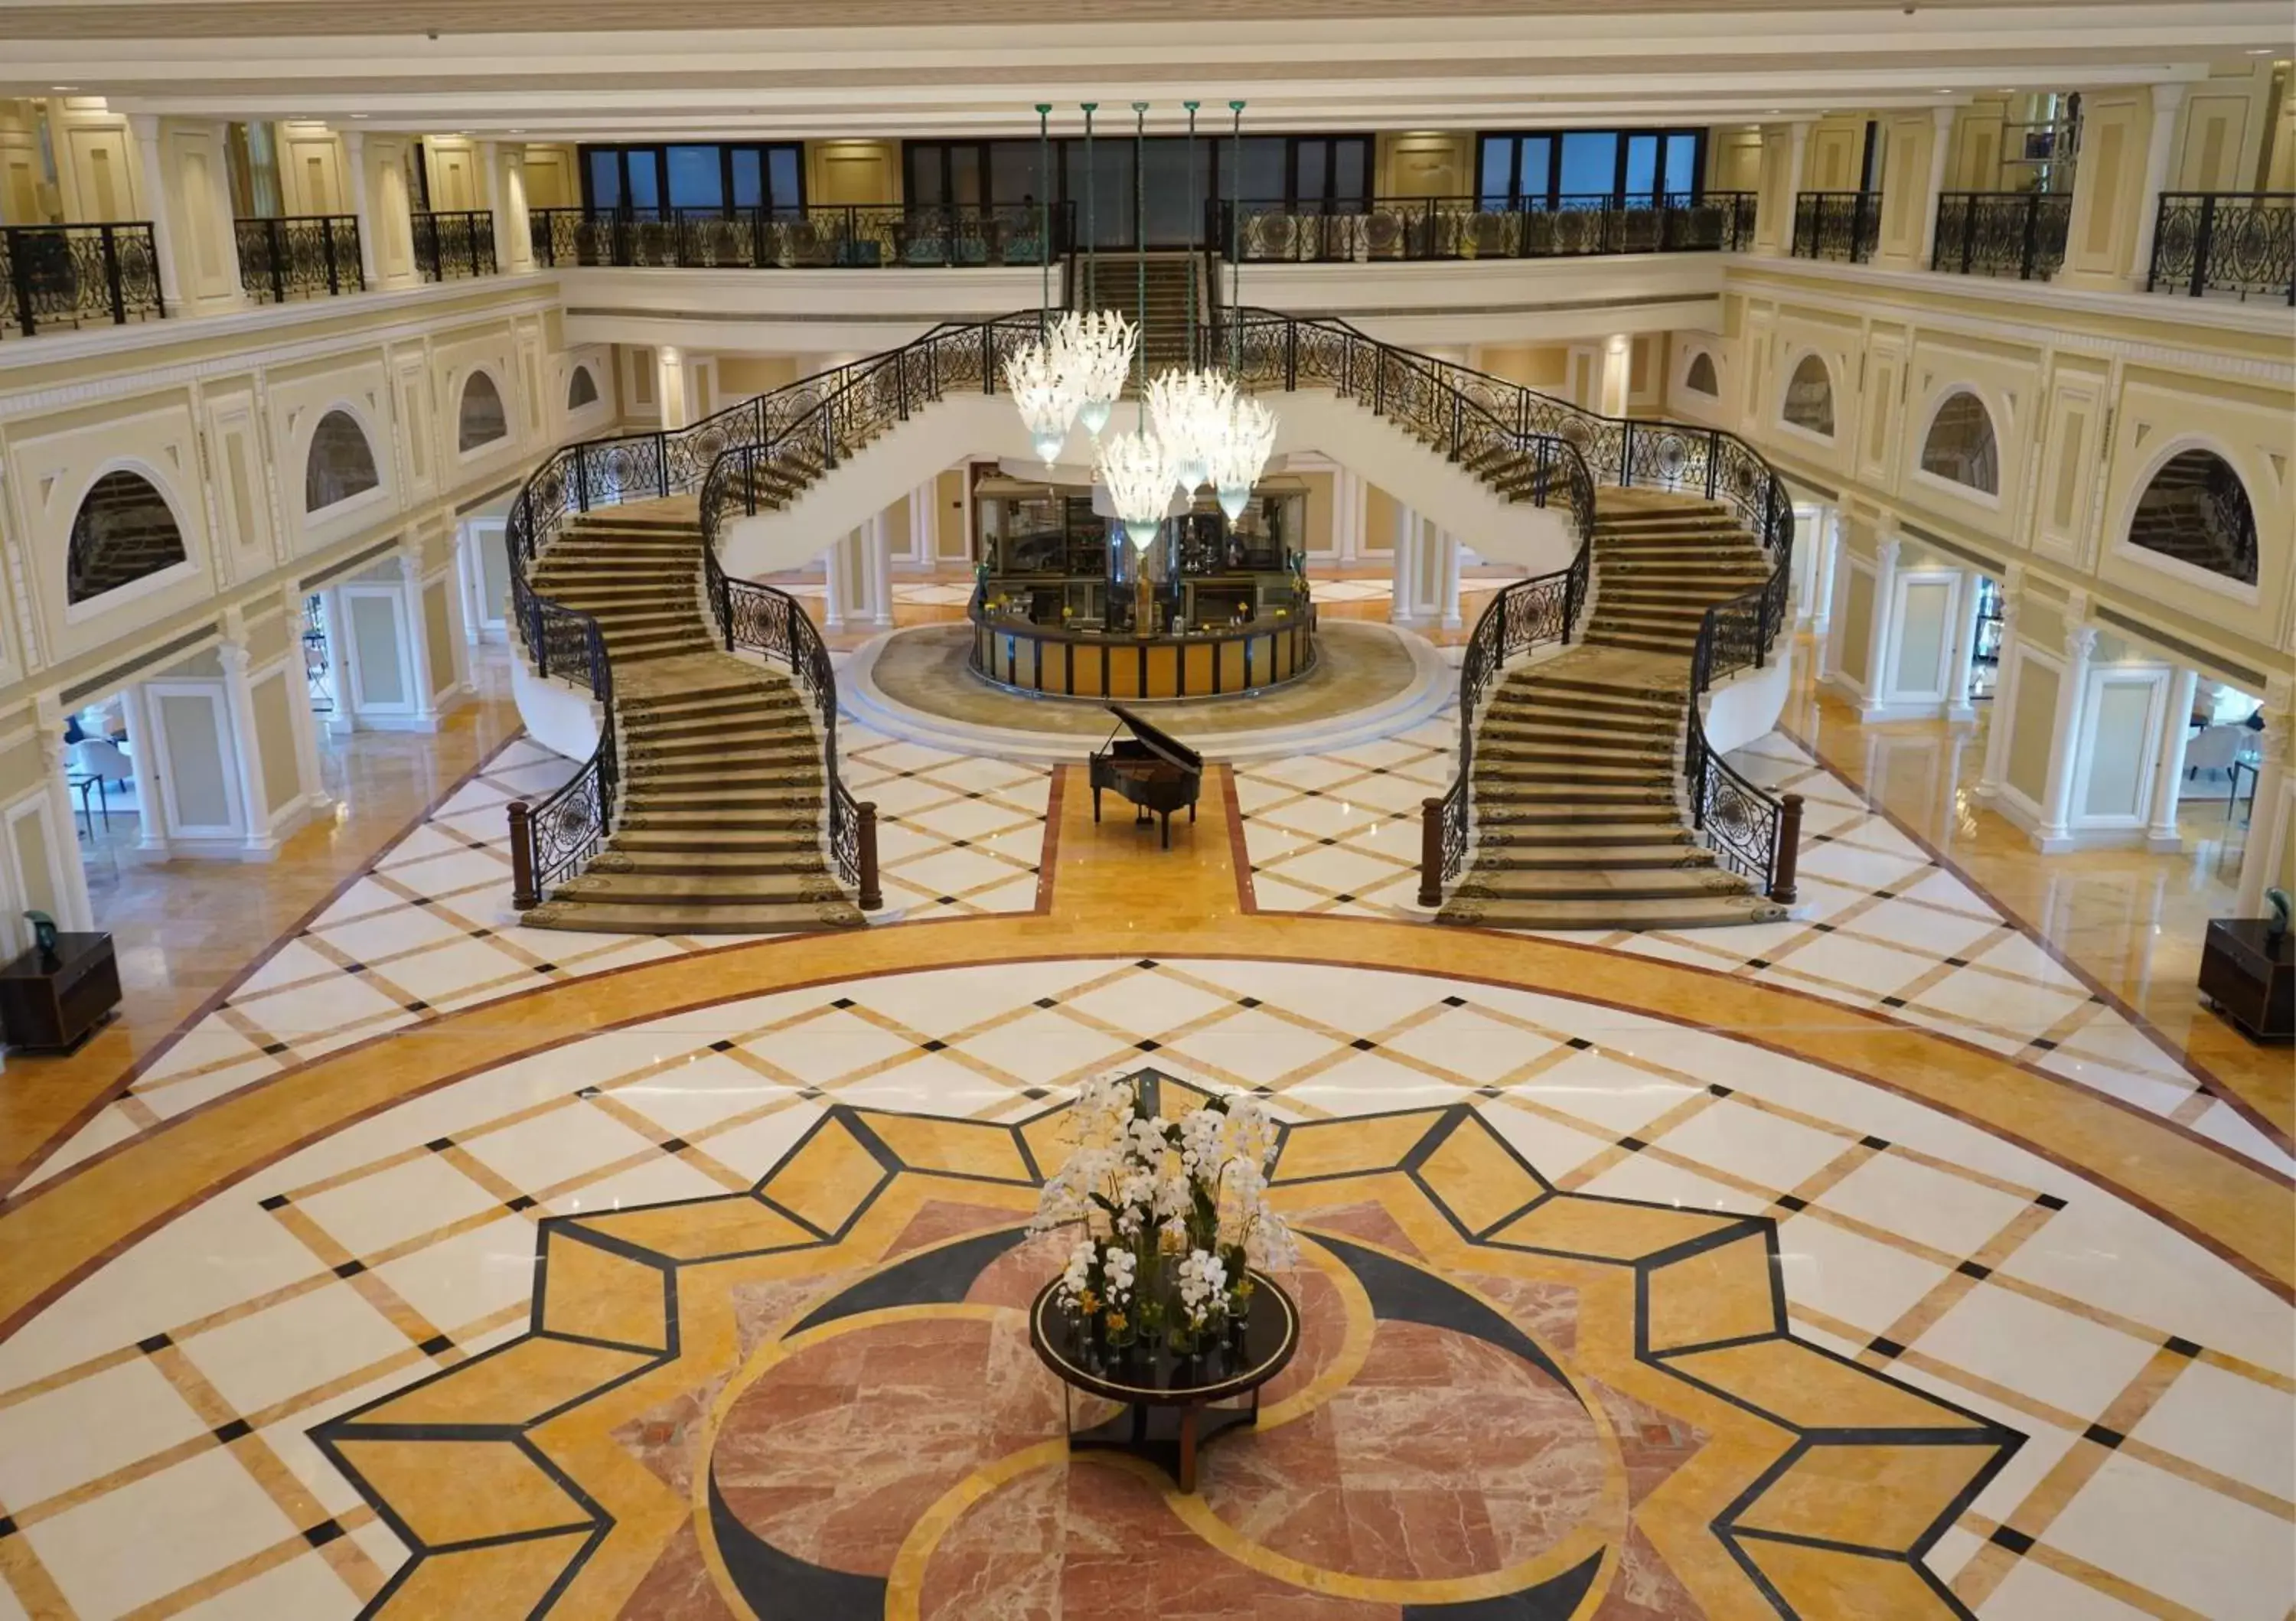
point(1588, 795)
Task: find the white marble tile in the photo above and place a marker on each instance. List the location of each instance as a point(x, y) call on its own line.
point(472, 1275)
point(690, 1097)
point(79, 1432)
point(538, 1153)
point(659, 1180)
point(1471, 1044)
point(1639, 1176)
point(757, 1146)
point(2056, 1356)
point(1043, 1045)
point(1620, 1097)
point(1762, 1148)
point(2214, 1555)
point(384, 934)
point(1946, 1212)
point(1254, 1043)
point(1850, 1277)
point(1551, 1147)
point(285, 1349)
point(305, 1588)
point(2033, 1591)
point(376, 1211)
point(184, 1522)
point(2225, 1422)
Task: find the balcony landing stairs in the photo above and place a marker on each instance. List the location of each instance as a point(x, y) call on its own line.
point(1580, 820)
point(719, 830)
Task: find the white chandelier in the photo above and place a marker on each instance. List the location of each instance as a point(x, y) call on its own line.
point(1092, 352)
point(1191, 411)
point(1241, 454)
point(1044, 395)
point(1137, 471)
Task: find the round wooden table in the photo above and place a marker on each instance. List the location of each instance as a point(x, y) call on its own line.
point(1170, 1398)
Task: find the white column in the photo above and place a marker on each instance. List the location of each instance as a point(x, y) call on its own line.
point(2167, 99)
point(924, 524)
point(1448, 543)
point(1354, 535)
point(150, 820)
point(833, 563)
point(880, 543)
point(1882, 628)
point(73, 912)
point(418, 638)
point(247, 753)
point(160, 204)
point(1964, 648)
point(1617, 382)
point(1406, 564)
point(2055, 830)
point(2268, 828)
point(341, 722)
point(2169, 762)
point(1781, 243)
point(1939, 145)
point(2004, 695)
point(505, 167)
point(354, 155)
point(669, 385)
point(1825, 537)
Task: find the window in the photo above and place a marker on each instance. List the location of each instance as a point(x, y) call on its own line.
point(2196, 511)
point(122, 532)
point(1960, 447)
point(481, 419)
point(1700, 379)
point(1810, 397)
point(342, 463)
point(707, 177)
point(1582, 168)
point(581, 389)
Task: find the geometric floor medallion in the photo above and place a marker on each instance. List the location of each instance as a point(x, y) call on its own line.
point(817, 1401)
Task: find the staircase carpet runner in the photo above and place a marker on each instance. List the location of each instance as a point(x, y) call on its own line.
point(719, 829)
point(1580, 821)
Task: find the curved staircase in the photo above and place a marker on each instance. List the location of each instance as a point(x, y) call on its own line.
point(1577, 773)
point(720, 829)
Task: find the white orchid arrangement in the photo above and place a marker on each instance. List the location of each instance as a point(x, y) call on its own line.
point(1143, 1188)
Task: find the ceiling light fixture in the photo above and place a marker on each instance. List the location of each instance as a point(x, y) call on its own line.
point(65, 88)
point(2259, 51)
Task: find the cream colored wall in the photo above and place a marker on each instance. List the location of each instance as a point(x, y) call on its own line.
point(221, 426)
point(98, 176)
point(2087, 402)
point(2278, 167)
point(742, 376)
point(26, 197)
point(2222, 129)
point(457, 178)
point(1733, 158)
point(1835, 156)
point(274, 742)
point(1546, 367)
point(2032, 728)
point(852, 171)
point(552, 180)
point(439, 636)
point(1975, 148)
point(955, 534)
point(314, 175)
point(1425, 163)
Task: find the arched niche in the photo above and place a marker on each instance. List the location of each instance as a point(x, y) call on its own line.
point(2195, 509)
point(124, 531)
point(1808, 404)
point(480, 419)
point(1960, 447)
point(341, 463)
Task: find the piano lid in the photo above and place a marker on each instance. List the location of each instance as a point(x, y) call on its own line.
point(1170, 747)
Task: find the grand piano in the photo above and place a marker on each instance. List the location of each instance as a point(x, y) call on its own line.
point(1156, 771)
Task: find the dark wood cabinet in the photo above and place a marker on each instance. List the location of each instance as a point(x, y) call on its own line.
point(2250, 973)
point(52, 1007)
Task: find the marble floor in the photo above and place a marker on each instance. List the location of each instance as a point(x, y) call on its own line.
point(1891, 1261)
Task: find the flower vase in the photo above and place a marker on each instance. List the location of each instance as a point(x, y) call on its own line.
point(1183, 1339)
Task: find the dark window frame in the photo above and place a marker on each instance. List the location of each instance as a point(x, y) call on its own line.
point(1516, 198)
point(658, 151)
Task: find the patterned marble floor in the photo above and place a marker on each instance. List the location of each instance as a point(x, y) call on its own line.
point(1880, 923)
point(167, 1403)
point(428, 928)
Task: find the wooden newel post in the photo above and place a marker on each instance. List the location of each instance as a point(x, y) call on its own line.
point(521, 858)
point(1782, 872)
point(1430, 852)
point(873, 895)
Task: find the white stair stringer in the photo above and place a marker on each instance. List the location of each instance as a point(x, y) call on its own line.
point(973, 425)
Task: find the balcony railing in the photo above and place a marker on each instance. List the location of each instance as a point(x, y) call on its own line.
point(57, 277)
point(1841, 226)
point(2240, 242)
point(454, 245)
point(2019, 234)
point(305, 256)
point(845, 236)
point(1384, 228)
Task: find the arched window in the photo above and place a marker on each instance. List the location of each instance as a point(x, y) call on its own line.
point(481, 419)
point(1700, 377)
point(1961, 447)
point(122, 532)
point(1810, 397)
point(2196, 511)
point(581, 389)
point(342, 463)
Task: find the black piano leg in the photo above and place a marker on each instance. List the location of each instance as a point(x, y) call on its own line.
point(1167, 830)
point(1192, 813)
point(1095, 805)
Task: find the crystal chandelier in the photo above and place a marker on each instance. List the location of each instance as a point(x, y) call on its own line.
point(1191, 410)
point(1137, 471)
point(1043, 394)
point(1092, 352)
point(1242, 455)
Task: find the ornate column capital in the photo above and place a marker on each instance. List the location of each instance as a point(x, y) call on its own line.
point(2081, 642)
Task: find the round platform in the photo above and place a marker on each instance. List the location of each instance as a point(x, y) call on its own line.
point(1369, 680)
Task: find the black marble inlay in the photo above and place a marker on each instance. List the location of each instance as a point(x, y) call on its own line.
point(1147, 1046)
point(1403, 1293)
point(2107, 1439)
point(157, 1342)
point(1882, 1346)
point(674, 1145)
point(1893, 1001)
point(1876, 1144)
point(2016, 1542)
point(721, 1046)
point(1247, 1001)
point(778, 1585)
point(1971, 1269)
point(437, 1345)
point(228, 1433)
point(934, 1277)
point(1719, 1089)
point(277, 1201)
point(1556, 1599)
point(2049, 1201)
point(1455, 1002)
point(1633, 1145)
point(274, 1049)
point(1364, 1044)
point(322, 1534)
point(1792, 1201)
point(1047, 1002)
point(842, 1002)
point(2181, 1346)
point(935, 1046)
point(2044, 1043)
point(524, 1202)
point(1580, 1043)
point(350, 1269)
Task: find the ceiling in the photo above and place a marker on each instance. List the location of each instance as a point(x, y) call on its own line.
point(600, 68)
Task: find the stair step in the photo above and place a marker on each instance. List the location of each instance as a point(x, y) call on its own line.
point(660, 917)
point(1712, 911)
point(1640, 643)
point(793, 855)
point(1580, 835)
point(709, 841)
point(738, 740)
point(711, 889)
point(1593, 857)
point(1498, 772)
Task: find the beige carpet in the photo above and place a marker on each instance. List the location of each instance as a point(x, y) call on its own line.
point(1360, 666)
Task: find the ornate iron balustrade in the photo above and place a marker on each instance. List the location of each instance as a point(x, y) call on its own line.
point(2225, 242)
point(854, 236)
point(454, 245)
point(2019, 234)
point(1841, 226)
point(1469, 228)
point(65, 276)
point(305, 256)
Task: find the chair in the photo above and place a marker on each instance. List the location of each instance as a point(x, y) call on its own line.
point(99, 762)
point(2213, 750)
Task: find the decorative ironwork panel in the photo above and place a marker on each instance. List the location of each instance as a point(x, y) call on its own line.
point(454, 245)
point(2225, 242)
point(1840, 225)
point(307, 255)
point(2003, 233)
point(57, 276)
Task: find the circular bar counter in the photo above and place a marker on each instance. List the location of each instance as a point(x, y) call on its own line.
point(1024, 656)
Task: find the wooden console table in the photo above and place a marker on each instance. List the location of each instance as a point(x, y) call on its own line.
point(2251, 977)
point(54, 1008)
